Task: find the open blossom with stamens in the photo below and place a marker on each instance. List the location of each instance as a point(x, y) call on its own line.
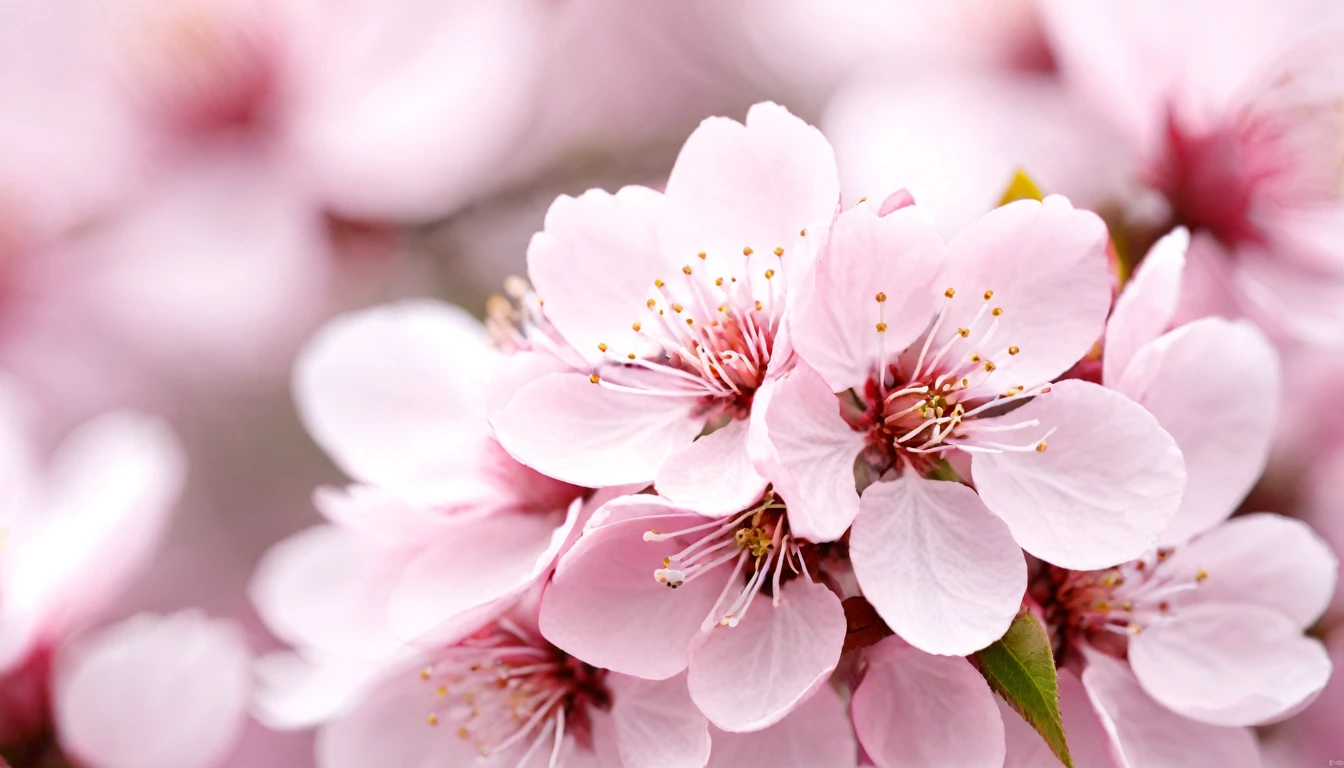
point(1205, 631)
point(676, 301)
point(950, 352)
point(504, 696)
point(1235, 117)
point(740, 602)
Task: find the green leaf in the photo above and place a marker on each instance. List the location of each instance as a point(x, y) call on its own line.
point(1022, 187)
point(1020, 667)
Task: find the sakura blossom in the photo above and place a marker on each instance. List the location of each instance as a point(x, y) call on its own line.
point(739, 603)
point(676, 302)
point(948, 352)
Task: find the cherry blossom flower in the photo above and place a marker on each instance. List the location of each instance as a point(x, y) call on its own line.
point(153, 692)
point(676, 302)
point(951, 352)
point(396, 395)
point(1208, 627)
point(504, 696)
point(652, 589)
point(75, 531)
point(1233, 115)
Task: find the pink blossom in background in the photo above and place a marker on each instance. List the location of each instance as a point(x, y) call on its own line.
point(153, 692)
point(1232, 113)
point(923, 340)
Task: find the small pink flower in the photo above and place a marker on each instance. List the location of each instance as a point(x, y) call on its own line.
point(653, 589)
point(676, 303)
point(950, 352)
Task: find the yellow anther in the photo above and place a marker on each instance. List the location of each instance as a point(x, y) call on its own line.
point(1013, 350)
point(593, 377)
point(441, 691)
point(758, 306)
point(1135, 629)
point(723, 307)
point(601, 347)
point(631, 355)
point(651, 303)
point(689, 321)
point(989, 295)
point(425, 673)
point(779, 251)
point(965, 382)
point(950, 292)
point(1202, 575)
point(1043, 391)
point(747, 251)
point(1103, 606)
point(635, 326)
point(718, 281)
point(769, 273)
point(975, 358)
point(658, 283)
point(432, 719)
point(989, 366)
point(686, 270)
point(964, 332)
point(802, 232)
point(1040, 447)
point(463, 733)
point(881, 327)
point(881, 297)
point(702, 255)
point(1127, 605)
point(676, 308)
point(863, 199)
point(996, 311)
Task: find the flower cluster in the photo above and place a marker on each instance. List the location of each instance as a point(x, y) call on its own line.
point(742, 476)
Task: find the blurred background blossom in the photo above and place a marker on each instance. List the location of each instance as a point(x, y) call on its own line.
point(189, 188)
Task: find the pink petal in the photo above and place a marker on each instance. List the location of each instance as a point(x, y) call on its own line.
point(594, 265)
point(1229, 664)
point(1261, 559)
point(1109, 482)
point(657, 724)
point(1195, 381)
point(747, 677)
point(604, 605)
point(1145, 732)
point(512, 371)
point(897, 256)
point(389, 728)
point(296, 691)
point(111, 487)
point(328, 588)
point(940, 569)
point(153, 692)
point(816, 733)
point(1089, 745)
point(1054, 310)
point(913, 709)
point(756, 185)
point(453, 587)
point(814, 452)
point(1145, 308)
point(564, 426)
point(396, 394)
point(387, 518)
point(714, 475)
